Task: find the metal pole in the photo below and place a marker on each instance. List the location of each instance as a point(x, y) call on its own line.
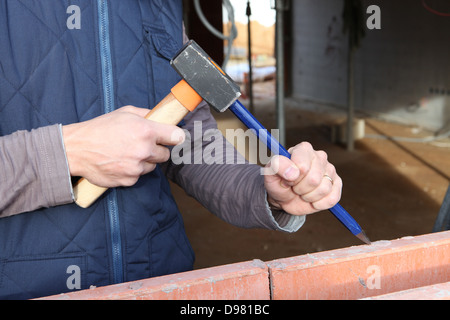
point(250, 67)
point(280, 6)
point(351, 107)
point(442, 222)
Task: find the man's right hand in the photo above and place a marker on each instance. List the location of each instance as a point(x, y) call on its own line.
point(115, 149)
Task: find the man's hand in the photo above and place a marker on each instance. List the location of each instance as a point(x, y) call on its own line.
point(304, 184)
point(115, 149)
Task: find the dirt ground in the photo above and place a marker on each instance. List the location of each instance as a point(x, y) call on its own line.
point(393, 189)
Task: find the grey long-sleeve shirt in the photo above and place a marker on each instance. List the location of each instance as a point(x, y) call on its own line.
point(34, 174)
point(33, 171)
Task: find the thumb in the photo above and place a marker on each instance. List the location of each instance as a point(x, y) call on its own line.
point(282, 168)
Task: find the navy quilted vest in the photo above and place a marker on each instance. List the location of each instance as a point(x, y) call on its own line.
point(64, 65)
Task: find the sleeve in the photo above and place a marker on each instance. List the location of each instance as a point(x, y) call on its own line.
point(34, 171)
point(210, 170)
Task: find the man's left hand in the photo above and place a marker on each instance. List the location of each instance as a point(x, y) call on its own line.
point(305, 184)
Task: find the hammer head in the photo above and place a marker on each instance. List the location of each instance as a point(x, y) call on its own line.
point(205, 77)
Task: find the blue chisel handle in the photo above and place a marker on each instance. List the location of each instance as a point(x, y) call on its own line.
point(252, 123)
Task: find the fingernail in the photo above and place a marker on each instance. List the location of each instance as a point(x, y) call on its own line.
point(291, 173)
point(178, 136)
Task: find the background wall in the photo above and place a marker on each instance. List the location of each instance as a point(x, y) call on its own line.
point(402, 71)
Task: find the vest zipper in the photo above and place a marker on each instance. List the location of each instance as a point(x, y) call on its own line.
point(108, 97)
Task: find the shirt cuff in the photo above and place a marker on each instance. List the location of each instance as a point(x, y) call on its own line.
point(67, 163)
point(56, 182)
point(282, 220)
point(274, 219)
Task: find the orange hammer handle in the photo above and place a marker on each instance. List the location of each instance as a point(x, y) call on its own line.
point(171, 110)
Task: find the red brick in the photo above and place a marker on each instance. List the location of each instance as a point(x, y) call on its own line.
point(347, 273)
point(440, 291)
point(247, 280)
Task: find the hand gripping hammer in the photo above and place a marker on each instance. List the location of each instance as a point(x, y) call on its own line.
point(204, 80)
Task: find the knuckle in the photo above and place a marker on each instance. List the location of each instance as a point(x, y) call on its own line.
point(298, 190)
point(314, 179)
point(338, 182)
point(319, 206)
point(126, 108)
point(334, 198)
point(140, 155)
point(134, 172)
point(306, 145)
point(147, 167)
point(301, 148)
point(322, 155)
point(157, 155)
point(165, 154)
point(129, 181)
point(331, 169)
point(152, 167)
point(146, 130)
point(325, 189)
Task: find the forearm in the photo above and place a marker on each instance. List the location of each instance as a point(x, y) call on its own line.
point(236, 194)
point(34, 171)
point(235, 191)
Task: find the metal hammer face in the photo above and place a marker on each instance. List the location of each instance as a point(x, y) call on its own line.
point(205, 77)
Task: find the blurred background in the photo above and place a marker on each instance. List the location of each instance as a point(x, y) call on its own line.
point(366, 81)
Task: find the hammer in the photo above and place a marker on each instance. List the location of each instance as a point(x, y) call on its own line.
point(204, 80)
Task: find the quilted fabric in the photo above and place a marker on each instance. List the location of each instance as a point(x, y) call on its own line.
point(52, 74)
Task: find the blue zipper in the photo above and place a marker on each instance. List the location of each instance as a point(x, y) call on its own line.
point(108, 97)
